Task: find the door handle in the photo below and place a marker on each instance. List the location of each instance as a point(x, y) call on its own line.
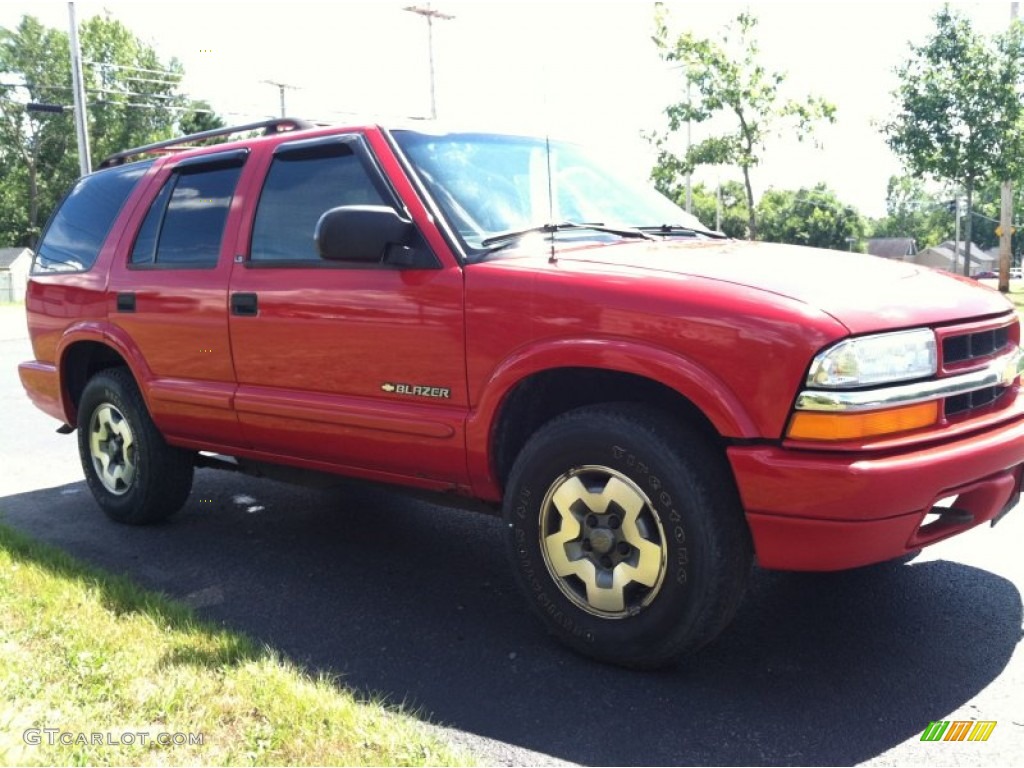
point(244, 304)
point(126, 302)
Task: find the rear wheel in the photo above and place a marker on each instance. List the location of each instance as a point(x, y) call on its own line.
point(134, 475)
point(626, 534)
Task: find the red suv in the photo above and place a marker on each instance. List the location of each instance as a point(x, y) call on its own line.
point(500, 320)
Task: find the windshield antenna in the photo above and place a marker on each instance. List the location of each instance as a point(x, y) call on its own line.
point(551, 195)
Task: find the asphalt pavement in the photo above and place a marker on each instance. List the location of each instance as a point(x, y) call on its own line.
point(417, 603)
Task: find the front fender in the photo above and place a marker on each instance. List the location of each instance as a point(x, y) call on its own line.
point(708, 393)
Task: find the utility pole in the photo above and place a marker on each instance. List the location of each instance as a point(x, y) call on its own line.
point(1006, 214)
point(718, 205)
point(78, 87)
point(956, 237)
point(689, 141)
point(430, 14)
point(281, 88)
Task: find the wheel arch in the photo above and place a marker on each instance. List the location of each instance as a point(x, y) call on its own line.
point(82, 354)
point(537, 386)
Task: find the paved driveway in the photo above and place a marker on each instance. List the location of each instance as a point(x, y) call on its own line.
point(416, 602)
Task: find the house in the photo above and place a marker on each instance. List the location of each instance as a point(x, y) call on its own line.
point(14, 267)
point(943, 257)
point(896, 248)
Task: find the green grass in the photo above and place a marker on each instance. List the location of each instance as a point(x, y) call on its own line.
point(86, 652)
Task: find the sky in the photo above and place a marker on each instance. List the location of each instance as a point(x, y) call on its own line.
point(586, 71)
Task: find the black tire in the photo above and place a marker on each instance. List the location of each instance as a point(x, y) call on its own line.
point(683, 501)
point(143, 480)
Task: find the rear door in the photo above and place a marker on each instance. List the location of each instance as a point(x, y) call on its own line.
point(168, 297)
point(357, 367)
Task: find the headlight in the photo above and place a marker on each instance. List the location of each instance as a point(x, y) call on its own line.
point(881, 359)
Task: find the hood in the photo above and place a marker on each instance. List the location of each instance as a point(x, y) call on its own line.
point(865, 293)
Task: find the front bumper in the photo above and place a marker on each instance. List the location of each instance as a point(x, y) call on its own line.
point(817, 511)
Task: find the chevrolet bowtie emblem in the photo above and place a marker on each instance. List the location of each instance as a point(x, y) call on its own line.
point(388, 387)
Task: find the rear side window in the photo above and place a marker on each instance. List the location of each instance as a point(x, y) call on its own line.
point(80, 226)
point(300, 187)
point(185, 223)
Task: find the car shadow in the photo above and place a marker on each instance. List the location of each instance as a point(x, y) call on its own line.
point(417, 603)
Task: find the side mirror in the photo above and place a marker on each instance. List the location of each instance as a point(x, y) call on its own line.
point(361, 233)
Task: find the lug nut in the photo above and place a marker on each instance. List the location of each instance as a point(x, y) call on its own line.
point(592, 521)
point(606, 561)
point(614, 522)
point(623, 548)
point(587, 546)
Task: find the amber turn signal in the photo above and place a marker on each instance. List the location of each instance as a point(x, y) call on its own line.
point(808, 425)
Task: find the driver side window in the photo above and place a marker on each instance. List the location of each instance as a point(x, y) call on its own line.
point(300, 187)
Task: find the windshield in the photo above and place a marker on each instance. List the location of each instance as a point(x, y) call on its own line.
point(490, 185)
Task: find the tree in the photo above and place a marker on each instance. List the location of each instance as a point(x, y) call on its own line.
point(33, 151)
point(813, 217)
point(725, 77)
point(200, 118)
point(728, 212)
point(912, 211)
point(132, 99)
point(959, 110)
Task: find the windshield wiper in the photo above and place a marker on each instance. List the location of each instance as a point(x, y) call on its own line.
point(679, 229)
point(504, 239)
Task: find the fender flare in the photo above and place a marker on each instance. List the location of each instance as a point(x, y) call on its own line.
point(708, 393)
point(99, 332)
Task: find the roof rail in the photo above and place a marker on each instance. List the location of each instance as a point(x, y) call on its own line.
point(277, 125)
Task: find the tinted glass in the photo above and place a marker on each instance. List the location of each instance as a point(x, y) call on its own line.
point(144, 251)
point(193, 223)
point(73, 239)
point(299, 189)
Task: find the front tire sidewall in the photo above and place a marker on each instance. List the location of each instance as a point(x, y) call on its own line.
point(671, 622)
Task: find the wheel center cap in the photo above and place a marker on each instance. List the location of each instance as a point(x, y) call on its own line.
point(602, 540)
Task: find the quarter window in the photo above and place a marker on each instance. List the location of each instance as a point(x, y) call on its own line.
point(74, 236)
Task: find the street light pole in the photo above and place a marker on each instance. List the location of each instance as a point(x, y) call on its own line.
point(430, 14)
point(78, 87)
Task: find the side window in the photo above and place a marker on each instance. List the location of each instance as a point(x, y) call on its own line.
point(300, 187)
point(74, 236)
point(185, 222)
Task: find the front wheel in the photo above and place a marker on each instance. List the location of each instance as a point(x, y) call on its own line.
point(134, 475)
point(626, 534)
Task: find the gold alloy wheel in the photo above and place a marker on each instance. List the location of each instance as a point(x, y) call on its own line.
point(112, 448)
point(602, 542)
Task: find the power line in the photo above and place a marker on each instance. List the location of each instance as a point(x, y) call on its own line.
point(164, 107)
point(107, 65)
point(116, 92)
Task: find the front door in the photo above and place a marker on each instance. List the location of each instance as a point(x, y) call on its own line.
point(353, 367)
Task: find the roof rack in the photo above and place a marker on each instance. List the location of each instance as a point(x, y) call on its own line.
point(277, 125)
